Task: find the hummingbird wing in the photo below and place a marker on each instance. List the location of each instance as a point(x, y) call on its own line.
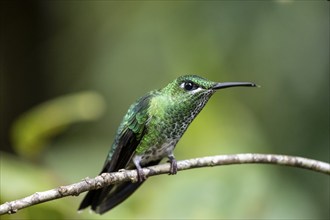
point(129, 135)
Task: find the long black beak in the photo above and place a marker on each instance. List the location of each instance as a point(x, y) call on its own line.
point(233, 84)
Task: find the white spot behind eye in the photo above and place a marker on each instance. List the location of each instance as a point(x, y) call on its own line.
point(182, 85)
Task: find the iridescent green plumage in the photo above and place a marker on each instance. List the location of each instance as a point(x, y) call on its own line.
point(149, 132)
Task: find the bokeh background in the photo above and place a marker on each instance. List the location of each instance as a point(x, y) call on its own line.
point(70, 69)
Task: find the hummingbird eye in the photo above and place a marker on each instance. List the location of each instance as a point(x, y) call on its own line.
point(189, 86)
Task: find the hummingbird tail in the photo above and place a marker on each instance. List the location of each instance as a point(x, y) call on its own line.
point(120, 193)
point(104, 199)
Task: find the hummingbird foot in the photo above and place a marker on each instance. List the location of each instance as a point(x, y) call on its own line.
point(141, 176)
point(174, 165)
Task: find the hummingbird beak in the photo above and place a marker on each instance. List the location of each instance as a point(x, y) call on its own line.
point(233, 84)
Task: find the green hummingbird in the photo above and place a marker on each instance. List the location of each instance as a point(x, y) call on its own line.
point(149, 131)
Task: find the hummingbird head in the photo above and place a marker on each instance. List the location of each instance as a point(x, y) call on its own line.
point(192, 92)
point(195, 86)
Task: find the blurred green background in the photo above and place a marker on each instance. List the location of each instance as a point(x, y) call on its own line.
point(70, 69)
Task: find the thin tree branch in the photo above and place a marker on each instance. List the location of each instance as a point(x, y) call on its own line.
point(106, 179)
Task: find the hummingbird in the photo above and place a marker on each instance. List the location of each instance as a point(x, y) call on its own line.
point(149, 132)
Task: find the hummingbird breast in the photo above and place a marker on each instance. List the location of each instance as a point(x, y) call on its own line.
point(168, 120)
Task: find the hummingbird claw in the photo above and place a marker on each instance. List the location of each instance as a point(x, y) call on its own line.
point(141, 176)
point(174, 165)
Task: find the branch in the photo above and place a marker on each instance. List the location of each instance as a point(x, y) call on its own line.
point(106, 179)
